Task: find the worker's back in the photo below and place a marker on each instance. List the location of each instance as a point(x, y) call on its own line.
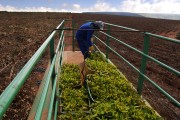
point(83, 34)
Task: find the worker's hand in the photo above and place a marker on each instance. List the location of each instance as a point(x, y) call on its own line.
point(92, 39)
point(91, 48)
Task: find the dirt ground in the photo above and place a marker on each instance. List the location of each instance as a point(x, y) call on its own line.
point(21, 34)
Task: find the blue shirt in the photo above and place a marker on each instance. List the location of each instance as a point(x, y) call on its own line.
point(85, 35)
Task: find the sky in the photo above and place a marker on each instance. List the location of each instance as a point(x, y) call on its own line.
point(134, 6)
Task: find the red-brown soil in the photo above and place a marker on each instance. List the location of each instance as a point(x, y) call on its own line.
point(21, 34)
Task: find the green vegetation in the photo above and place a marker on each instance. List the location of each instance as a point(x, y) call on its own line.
point(73, 100)
point(113, 95)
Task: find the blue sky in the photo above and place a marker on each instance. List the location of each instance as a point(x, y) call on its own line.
point(135, 6)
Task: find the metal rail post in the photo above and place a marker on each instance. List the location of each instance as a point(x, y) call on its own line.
point(60, 32)
point(143, 63)
point(51, 58)
point(95, 42)
point(51, 49)
point(108, 43)
point(73, 47)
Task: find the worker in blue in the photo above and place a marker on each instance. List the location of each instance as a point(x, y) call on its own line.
point(84, 34)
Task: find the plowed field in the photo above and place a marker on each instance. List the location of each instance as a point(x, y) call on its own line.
point(21, 34)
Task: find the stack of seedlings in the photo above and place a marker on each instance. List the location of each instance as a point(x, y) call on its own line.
point(114, 97)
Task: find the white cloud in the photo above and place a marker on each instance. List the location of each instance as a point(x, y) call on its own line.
point(137, 6)
point(31, 9)
point(76, 6)
point(101, 6)
point(26, 9)
point(6, 8)
point(153, 6)
point(65, 5)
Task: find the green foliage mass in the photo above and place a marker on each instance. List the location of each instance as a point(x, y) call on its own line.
point(73, 100)
point(114, 97)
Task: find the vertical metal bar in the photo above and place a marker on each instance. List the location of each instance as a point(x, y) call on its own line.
point(59, 34)
point(52, 101)
point(73, 47)
point(56, 110)
point(143, 63)
point(108, 43)
point(52, 49)
point(95, 42)
point(56, 105)
point(51, 58)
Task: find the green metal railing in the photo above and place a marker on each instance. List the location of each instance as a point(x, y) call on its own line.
point(145, 57)
point(12, 90)
point(144, 54)
point(50, 81)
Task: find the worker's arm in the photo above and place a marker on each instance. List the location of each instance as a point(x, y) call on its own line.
point(89, 35)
